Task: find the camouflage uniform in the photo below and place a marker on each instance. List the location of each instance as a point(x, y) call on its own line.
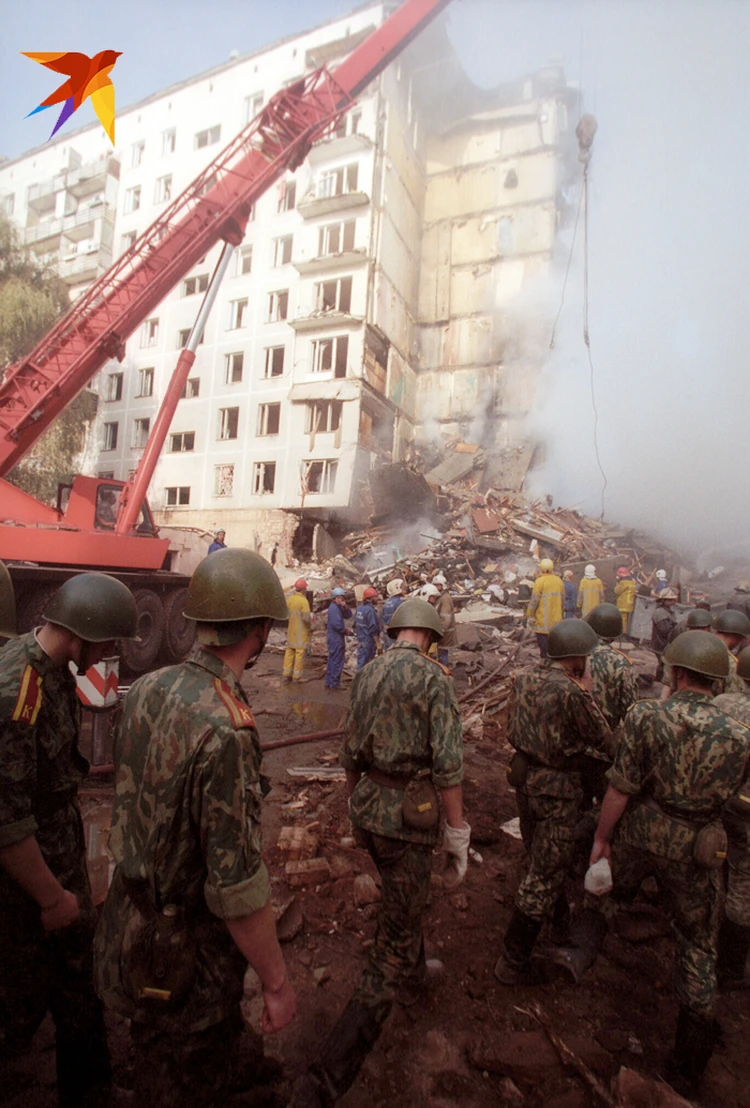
point(40, 770)
point(185, 831)
point(403, 721)
point(733, 683)
point(737, 905)
point(615, 685)
point(690, 758)
point(557, 725)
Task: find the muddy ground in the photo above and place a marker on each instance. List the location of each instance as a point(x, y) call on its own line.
point(468, 1042)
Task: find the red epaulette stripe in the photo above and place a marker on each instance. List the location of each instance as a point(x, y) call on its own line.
point(240, 714)
point(29, 697)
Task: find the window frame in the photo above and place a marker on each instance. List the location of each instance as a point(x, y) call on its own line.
point(178, 501)
point(146, 375)
point(183, 437)
point(265, 413)
point(229, 421)
point(260, 471)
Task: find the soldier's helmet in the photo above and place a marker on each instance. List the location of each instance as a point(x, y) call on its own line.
point(418, 614)
point(546, 565)
point(234, 586)
point(699, 651)
point(699, 620)
point(743, 664)
point(7, 605)
point(732, 622)
point(94, 606)
point(606, 621)
point(572, 638)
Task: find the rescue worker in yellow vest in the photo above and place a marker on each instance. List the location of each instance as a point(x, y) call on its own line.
point(545, 608)
point(625, 591)
point(298, 632)
point(590, 591)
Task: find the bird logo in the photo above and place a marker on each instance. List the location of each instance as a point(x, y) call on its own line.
point(87, 77)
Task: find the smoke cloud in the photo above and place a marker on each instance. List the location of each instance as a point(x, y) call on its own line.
point(669, 268)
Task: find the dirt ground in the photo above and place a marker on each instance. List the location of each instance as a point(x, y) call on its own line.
point(469, 1041)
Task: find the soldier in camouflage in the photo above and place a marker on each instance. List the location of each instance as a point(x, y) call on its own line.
point(613, 679)
point(47, 918)
point(560, 736)
point(733, 628)
point(734, 933)
point(403, 726)
point(189, 903)
point(678, 763)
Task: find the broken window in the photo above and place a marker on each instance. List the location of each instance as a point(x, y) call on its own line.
point(114, 386)
point(136, 153)
point(127, 241)
point(208, 137)
point(278, 306)
point(141, 428)
point(274, 361)
point(150, 332)
point(177, 495)
point(282, 251)
point(287, 196)
point(229, 421)
point(168, 141)
point(132, 200)
point(109, 439)
point(338, 182)
point(335, 238)
point(223, 480)
point(322, 416)
point(319, 476)
point(192, 388)
point(334, 296)
point(237, 314)
point(184, 335)
point(192, 285)
point(233, 366)
point(269, 418)
point(264, 477)
point(145, 382)
point(182, 442)
point(330, 354)
point(163, 189)
point(244, 262)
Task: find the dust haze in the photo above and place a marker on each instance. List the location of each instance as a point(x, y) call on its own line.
point(669, 234)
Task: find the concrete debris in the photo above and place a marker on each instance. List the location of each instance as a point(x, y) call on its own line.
point(297, 843)
point(321, 974)
point(633, 1090)
point(365, 891)
point(290, 922)
point(310, 871)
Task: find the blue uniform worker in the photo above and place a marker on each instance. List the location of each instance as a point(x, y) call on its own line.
point(367, 626)
point(570, 598)
point(337, 613)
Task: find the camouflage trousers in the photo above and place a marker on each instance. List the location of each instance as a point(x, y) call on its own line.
point(53, 972)
point(692, 898)
point(548, 828)
point(398, 951)
point(738, 877)
point(193, 1069)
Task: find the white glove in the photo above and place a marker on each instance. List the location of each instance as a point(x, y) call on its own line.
point(456, 846)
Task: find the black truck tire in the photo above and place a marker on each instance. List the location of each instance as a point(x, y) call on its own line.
point(138, 657)
point(179, 634)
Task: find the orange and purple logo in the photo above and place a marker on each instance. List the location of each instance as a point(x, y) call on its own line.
point(87, 77)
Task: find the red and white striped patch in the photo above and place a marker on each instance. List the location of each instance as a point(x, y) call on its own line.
point(98, 686)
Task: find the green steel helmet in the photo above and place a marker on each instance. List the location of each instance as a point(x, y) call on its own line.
point(94, 606)
point(7, 605)
point(743, 664)
point(232, 585)
point(699, 620)
point(732, 622)
point(606, 621)
point(415, 613)
point(699, 651)
point(572, 638)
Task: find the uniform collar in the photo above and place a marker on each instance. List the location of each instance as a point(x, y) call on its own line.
point(691, 694)
point(39, 658)
point(406, 646)
point(208, 661)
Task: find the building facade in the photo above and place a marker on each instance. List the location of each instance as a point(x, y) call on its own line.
point(368, 306)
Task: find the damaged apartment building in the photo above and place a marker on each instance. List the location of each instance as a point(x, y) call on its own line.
point(370, 306)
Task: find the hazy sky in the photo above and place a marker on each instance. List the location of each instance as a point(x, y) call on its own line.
point(669, 229)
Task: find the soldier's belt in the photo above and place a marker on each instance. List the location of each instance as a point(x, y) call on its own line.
point(389, 780)
point(679, 817)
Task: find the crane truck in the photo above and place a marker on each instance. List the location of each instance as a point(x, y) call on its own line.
point(105, 524)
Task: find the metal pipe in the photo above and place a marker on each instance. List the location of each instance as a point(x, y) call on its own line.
point(311, 737)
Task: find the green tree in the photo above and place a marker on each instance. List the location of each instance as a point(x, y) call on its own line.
point(32, 298)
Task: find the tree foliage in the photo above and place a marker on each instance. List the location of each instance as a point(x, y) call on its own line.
point(32, 298)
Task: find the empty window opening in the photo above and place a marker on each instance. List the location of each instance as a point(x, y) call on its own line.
point(114, 387)
point(182, 442)
point(229, 421)
point(177, 495)
point(193, 285)
point(334, 296)
point(223, 480)
point(141, 428)
point(264, 477)
point(233, 366)
point(145, 382)
point(335, 238)
point(278, 306)
point(330, 355)
point(274, 361)
point(269, 419)
point(322, 416)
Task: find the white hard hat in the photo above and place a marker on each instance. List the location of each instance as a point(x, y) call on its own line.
point(661, 574)
point(439, 579)
point(590, 571)
point(394, 587)
point(428, 592)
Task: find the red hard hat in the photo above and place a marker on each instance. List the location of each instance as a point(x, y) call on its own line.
point(623, 571)
point(300, 583)
point(370, 593)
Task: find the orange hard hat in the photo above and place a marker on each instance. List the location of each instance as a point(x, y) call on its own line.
point(300, 583)
point(370, 593)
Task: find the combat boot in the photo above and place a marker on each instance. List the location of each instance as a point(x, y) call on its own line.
point(349, 1042)
point(513, 967)
point(559, 931)
point(694, 1044)
point(587, 933)
point(734, 947)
